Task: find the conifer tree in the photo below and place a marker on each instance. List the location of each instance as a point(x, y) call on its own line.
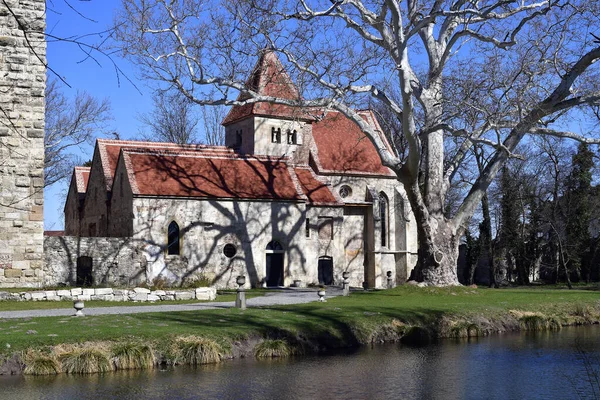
point(578, 209)
point(509, 223)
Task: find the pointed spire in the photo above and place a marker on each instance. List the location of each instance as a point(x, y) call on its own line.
point(268, 78)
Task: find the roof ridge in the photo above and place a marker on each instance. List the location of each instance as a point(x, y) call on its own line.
point(145, 143)
point(198, 154)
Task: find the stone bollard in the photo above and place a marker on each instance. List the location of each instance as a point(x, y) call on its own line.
point(78, 306)
point(390, 281)
point(240, 299)
point(346, 283)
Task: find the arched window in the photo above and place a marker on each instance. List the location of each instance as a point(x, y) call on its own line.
point(173, 245)
point(238, 139)
point(292, 137)
point(275, 135)
point(384, 217)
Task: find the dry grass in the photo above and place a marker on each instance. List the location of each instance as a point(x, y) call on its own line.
point(196, 350)
point(37, 363)
point(539, 323)
point(88, 359)
point(270, 348)
point(130, 355)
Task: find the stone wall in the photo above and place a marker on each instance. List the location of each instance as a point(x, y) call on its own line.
point(22, 86)
point(110, 294)
point(115, 261)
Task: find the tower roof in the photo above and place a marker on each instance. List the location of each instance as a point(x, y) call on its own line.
point(268, 78)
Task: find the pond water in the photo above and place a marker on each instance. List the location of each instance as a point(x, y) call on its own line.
point(550, 365)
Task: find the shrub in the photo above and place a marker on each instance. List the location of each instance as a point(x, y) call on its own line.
point(159, 283)
point(270, 348)
point(196, 350)
point(133, 356)
point(198, 281)
point(86, 360)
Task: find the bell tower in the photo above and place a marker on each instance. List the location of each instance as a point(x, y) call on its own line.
point(269, 129)
point(22, 87)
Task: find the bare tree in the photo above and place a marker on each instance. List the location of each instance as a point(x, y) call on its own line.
point(173, 118)
point(519, 67)
point(214, 132)
point(69, 124)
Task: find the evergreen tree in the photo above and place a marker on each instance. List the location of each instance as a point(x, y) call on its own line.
point(509, 222)
point(578, 211)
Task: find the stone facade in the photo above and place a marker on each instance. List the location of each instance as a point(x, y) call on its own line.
point(22, 86)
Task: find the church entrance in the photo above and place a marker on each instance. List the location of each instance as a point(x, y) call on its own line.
point(84, 271)
point(274, 263)
point(325, 271)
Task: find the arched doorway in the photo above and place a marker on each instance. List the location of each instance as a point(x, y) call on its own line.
point(84, 271)
point(325, 270)
point(274, 263)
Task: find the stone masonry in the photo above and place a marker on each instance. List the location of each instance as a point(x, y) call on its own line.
point(116, 261)
point(137, 294)
point(22, 86)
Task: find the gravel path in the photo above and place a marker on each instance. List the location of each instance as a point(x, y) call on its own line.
point(282, 297)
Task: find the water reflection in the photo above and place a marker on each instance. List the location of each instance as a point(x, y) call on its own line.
point(541, 366)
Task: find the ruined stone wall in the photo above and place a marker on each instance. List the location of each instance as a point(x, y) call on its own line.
point(72, 210)
point(120, 222)
point(22, 86)
point(115, 261)
point(94, 219)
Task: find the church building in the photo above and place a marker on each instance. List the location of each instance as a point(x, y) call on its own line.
point(293, 198)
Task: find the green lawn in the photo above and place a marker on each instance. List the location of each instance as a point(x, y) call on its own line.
point(339, 321)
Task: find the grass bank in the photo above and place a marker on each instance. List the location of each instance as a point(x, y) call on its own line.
point(403, 313)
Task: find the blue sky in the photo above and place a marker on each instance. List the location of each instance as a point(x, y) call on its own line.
point(96, 78)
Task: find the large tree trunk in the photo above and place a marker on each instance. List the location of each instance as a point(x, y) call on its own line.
point(438, 256)
point(438, 245)
point(438, 237)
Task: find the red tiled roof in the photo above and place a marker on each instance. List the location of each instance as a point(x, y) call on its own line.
point(187, 174)
point(110, 149)
point(82, 177)
point(343, 148)
point(268, 78)
point(316, 191)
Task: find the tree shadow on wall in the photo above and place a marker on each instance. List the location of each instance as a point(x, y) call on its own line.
point(216, 200)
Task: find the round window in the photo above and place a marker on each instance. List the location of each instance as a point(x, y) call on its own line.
point(229, 250)
point(345, 191)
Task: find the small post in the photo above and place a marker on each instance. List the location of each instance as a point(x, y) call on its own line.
point(78, 306)
point(346, 283)
point(390, 281)
point(240, 299)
